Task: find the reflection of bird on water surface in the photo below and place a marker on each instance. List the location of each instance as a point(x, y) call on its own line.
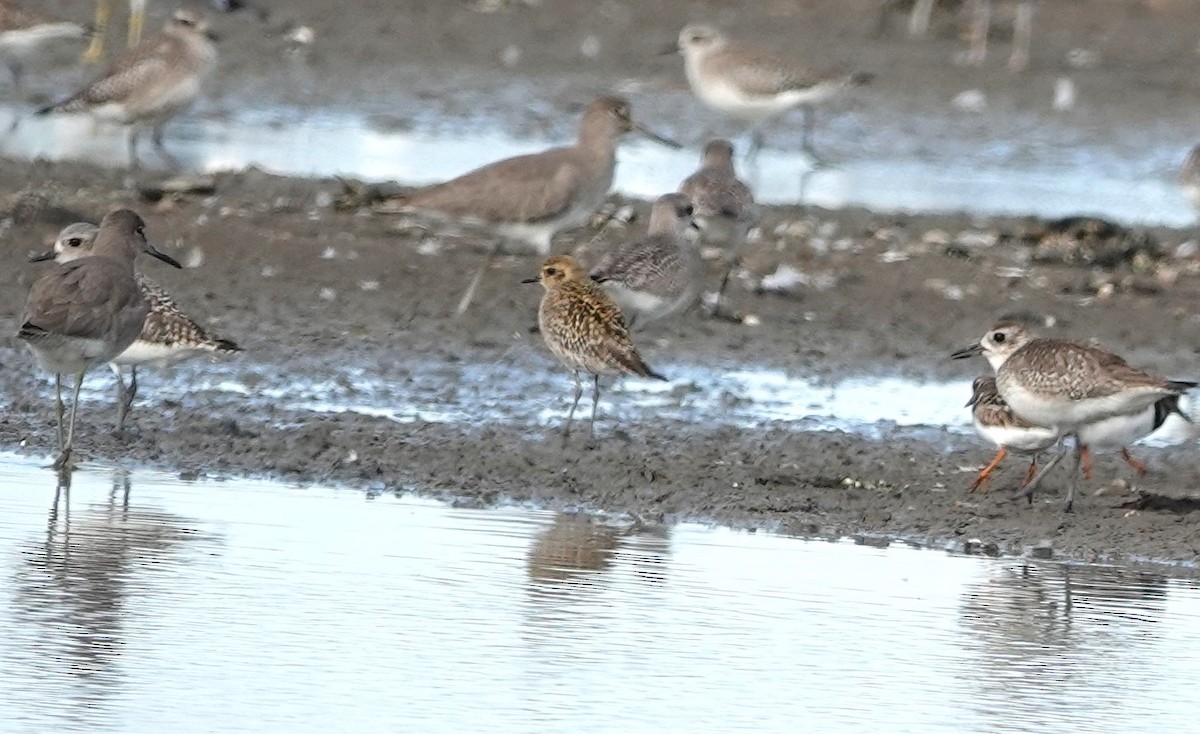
point(70, 589)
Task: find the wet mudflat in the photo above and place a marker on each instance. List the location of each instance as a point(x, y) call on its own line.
point(131, 603)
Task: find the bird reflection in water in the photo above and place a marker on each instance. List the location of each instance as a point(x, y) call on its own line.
point(71, 589)
point(576, 551)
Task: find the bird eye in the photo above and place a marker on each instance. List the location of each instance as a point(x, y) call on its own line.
point(688, 210)
point(999, 338)
point(551, 271)
point(141, 229)
point(75, 242)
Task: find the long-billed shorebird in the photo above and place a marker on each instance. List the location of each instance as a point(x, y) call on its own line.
point(1066, 385)
point(660, 274)
point(148, 85)
point(88, 311)
point(530, 198)
point(755, 84)
point(725, 209)
point(24, 30)
point(168, 335)
point(586, 331)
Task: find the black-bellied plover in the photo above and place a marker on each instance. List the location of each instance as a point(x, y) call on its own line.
point(148, 85)
point(724, 204)
point(755, 84)
point(168, 335)
point(660, 274)
point(584, 328)
point(530, 198)
point(996, 422)
point(88, 311)
point(1066, 385)
point(24, 30)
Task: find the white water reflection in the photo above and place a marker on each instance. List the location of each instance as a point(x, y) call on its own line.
point(330, 143)
point(244, 606)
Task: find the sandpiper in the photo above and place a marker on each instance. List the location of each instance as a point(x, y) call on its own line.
point(1066, 385)
point(168, 335)
point(660, 274)
point(995, 421)
point(724, 205)
point(23, 31)
point(584, 328)
point(530, 198)
point(1189, 177)
point(754, 84)
point(148, 85)
point(88, 311)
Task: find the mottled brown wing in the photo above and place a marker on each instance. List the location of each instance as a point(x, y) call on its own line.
point(528, 188)
point(80, 298)
point(716, 193)
point(760, 73)
point(1086, 371)
point(651, 264)
point(167, 324)
point(131, 71)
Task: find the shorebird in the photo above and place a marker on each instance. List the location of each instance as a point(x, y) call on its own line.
point(754, 84)
point(1189, 177)
point(724, 205)
point(660, 274)
point(584, 328)
point(23, 31)
point(168, 335)
point(148, 85)
point(88, 311)
point(1066, 385)
point(980, 12)
point(996, 422)
point(530, 198)
point(137, 19)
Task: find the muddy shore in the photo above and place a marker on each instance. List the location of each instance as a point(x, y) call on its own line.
point(360, 302)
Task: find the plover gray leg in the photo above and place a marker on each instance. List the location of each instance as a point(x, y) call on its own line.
point(574, 404)
point(595, 402)
point(156, 137)
point(469, 294)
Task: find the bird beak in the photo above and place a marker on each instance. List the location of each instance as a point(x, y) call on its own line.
point(974, 399)
point(669, 50)
point(693, 224)
point(532, 280)
point(640, 128)
point(215, 38)
point(42, 256)
point(970, 351)
point(155, 252)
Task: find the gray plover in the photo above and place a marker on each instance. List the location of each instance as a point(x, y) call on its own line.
point(88, 311)
point(724, 204)
point(584, 328)
point(168, 335)
point(755, 84)
point(530, 198)
point(148, 85)
point(1066, 385)
point(1189, 177)
point(23, 31)
point(660, 274)
point(994, 420)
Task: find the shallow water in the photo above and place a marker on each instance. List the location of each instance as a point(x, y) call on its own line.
point(327, 143)
point(150, 604)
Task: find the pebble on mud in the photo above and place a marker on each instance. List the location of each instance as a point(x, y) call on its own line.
point(1042, 551)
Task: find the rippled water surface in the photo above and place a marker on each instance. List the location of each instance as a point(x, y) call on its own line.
point(142, 603)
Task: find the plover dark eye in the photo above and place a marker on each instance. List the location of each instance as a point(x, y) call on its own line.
point(998, 338)
point(75, 242)
point(688, 210)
